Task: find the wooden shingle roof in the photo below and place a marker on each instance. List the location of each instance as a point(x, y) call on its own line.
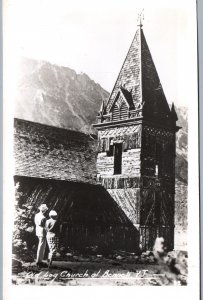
point(75, 202)
point(44, 151)
point(129, 76)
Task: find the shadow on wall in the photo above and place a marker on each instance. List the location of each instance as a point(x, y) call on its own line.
point(90, 217)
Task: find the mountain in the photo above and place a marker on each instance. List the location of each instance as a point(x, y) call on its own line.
point(182, 145)
point(181, 170)
point(57, 96)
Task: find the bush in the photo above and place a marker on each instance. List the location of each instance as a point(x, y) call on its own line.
point(23, 234)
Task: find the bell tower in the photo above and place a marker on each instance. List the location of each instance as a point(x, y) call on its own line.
point(136, 151)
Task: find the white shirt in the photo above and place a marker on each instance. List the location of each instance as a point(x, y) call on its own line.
point(40, 221)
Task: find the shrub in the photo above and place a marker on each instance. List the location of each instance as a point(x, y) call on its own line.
point(23, 233)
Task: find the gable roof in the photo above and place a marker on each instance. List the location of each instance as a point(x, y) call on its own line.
point(75, 202)
point(44, 151)
point(127, 96)
point(90, 216)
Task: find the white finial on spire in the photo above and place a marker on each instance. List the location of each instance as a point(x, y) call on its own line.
point(140, 18)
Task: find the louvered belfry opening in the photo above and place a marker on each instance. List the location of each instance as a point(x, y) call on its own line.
point(123, 111)
point(120, 113)
point(116, 113)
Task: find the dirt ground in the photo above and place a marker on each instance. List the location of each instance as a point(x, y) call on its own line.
point(97, 271)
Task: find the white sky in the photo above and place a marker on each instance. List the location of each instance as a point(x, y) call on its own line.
point(94, 36)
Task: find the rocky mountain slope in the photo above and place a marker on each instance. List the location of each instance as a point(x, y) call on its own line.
point(181, 209)
point(57, 96)
point(182, 145)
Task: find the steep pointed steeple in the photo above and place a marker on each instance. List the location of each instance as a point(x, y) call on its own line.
point(130, 73)
point(139, 79)
point(136, 146)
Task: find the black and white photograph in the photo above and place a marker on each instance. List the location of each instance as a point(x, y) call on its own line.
point(101, 104)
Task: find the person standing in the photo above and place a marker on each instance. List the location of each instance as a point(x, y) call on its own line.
point(40, 222)
point(53, 230)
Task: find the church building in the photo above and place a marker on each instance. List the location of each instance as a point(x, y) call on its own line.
point(137, 148)
point(115, 190)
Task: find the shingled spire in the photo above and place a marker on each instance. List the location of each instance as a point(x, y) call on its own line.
point(138, 85)
point(129, 77)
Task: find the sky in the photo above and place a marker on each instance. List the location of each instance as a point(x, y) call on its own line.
point(93, 37)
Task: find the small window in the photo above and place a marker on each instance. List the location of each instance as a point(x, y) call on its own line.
point(117, 158)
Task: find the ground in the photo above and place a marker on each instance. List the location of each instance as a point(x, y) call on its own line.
point(99, 270)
